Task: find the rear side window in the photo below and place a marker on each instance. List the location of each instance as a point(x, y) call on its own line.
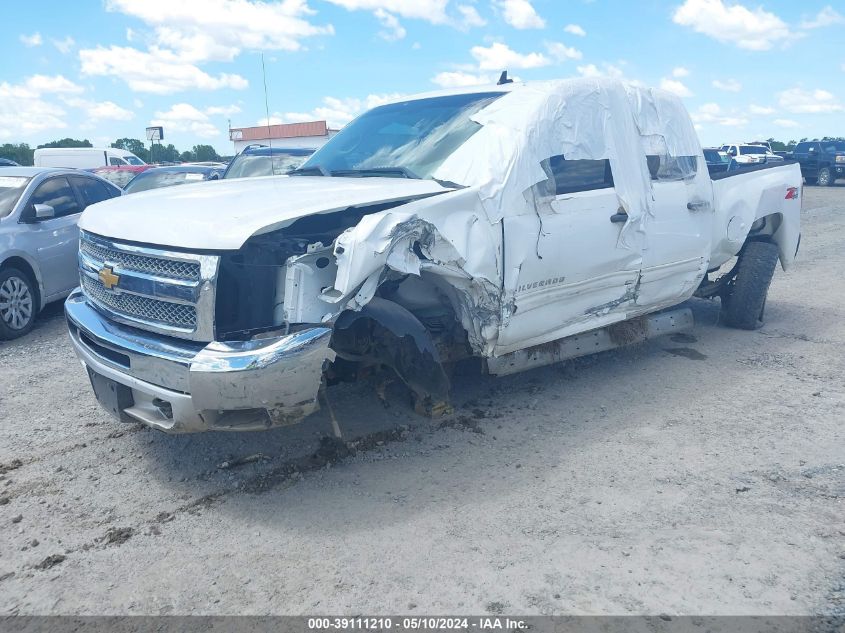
point(672, 167)
point(92, 191)
point(570, 176)
point(116, 162)
point(58, 193)
point(802, 148)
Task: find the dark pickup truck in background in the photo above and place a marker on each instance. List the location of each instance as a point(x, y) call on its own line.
point(822, 162)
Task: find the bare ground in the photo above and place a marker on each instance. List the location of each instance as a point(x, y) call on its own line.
point(703, 474)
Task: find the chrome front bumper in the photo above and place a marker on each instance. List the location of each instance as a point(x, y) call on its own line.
point(183, 386)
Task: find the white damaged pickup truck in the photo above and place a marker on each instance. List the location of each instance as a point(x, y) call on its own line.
point(521, 223)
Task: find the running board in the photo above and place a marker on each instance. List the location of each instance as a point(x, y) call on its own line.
point(607, 338)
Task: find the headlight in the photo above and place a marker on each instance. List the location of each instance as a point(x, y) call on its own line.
point(840, 159)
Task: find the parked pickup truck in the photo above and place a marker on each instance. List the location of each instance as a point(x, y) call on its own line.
point(521, 224)
point(822, 162)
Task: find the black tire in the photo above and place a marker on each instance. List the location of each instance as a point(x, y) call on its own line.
point(18, 303)
point(743, 304)
point(810, 181)
point(825, 178)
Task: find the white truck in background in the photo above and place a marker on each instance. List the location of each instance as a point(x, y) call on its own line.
point(85, 157)
point(520, 223)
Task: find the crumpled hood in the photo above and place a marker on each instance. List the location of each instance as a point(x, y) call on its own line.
point(223, 214)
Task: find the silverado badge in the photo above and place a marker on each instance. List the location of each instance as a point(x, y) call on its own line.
point(107, 276)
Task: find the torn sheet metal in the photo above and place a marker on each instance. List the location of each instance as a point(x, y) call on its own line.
point(448, 237)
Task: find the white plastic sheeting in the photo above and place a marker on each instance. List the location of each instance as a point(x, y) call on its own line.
point(581, 119)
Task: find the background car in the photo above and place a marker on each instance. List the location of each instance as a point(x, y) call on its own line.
point(745, 154)
point(5, 162)
point(39, 239)
point(822, 162)
point(260, 160)
point(173, 175)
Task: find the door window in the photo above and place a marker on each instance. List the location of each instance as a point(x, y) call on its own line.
point(58, 193)
point(116, 162)
point(570, 176)
point(92, 191)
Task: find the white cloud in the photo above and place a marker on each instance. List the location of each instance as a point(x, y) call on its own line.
point(183, 117)
point(675, 87)
point(64, 46)
point(607, 70)
point(228, 110)
point(100, 110)
point(574, 29)
point(32, 40)
point(337, 112)
point(756, 30)
point(18, 122)
point(679, 71)
point(712, 113)
point(460, 79)
point(761, 110)
point(470, 17)
point(828, 16)
point(392, 30)
point(800, 101)
point(789, 123)
point(218, 30)
point(520, 14)
point(157, 72)
point(433, 11)
point(57, 84)
point(561, 52)
point(499, 56)
point(729, 85)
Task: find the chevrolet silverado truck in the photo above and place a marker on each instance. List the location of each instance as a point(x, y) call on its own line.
point(519, 223)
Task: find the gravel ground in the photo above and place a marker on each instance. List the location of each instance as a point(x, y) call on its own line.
point(700, 474)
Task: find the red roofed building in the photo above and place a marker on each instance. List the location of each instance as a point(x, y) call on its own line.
point(308, 135)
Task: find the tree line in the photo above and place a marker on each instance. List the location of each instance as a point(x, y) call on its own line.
point(22, 153)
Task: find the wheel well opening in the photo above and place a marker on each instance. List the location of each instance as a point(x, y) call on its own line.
point(22, 265)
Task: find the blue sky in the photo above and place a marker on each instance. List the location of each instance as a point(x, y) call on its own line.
point(104, 69)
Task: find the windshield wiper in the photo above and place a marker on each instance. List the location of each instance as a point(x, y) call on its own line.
point(314, 170)
point(404, 172)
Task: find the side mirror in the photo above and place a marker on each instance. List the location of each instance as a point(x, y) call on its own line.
point(213, 177)
point(44, 211)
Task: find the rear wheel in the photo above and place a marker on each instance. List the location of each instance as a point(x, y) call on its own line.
point(17, 303)
point(825, 177)
point(744, 300)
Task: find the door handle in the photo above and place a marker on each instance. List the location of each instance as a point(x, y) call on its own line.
point(698, 206)
point(619, 217)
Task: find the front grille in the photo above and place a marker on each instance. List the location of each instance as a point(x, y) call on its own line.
point(164, 312)
point(156, 266)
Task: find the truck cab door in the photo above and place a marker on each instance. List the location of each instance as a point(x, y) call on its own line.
point(813, 152)
point(676, 251)
point(566, 268)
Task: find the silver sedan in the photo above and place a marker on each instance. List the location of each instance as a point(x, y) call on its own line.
point(39, 209)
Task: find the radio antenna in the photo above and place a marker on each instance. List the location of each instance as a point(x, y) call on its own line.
point(266, 105)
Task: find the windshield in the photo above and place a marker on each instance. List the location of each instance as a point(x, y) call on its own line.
point(753, 149)
point(11, 188)
point(248, 165)
point(412, 137)
point(133, 160)
point(833, 146)
point(146, 180)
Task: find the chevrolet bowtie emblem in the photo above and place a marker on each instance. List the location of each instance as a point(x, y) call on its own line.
point(108, 277)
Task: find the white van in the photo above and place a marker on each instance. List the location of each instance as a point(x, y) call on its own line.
point(85, 157)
